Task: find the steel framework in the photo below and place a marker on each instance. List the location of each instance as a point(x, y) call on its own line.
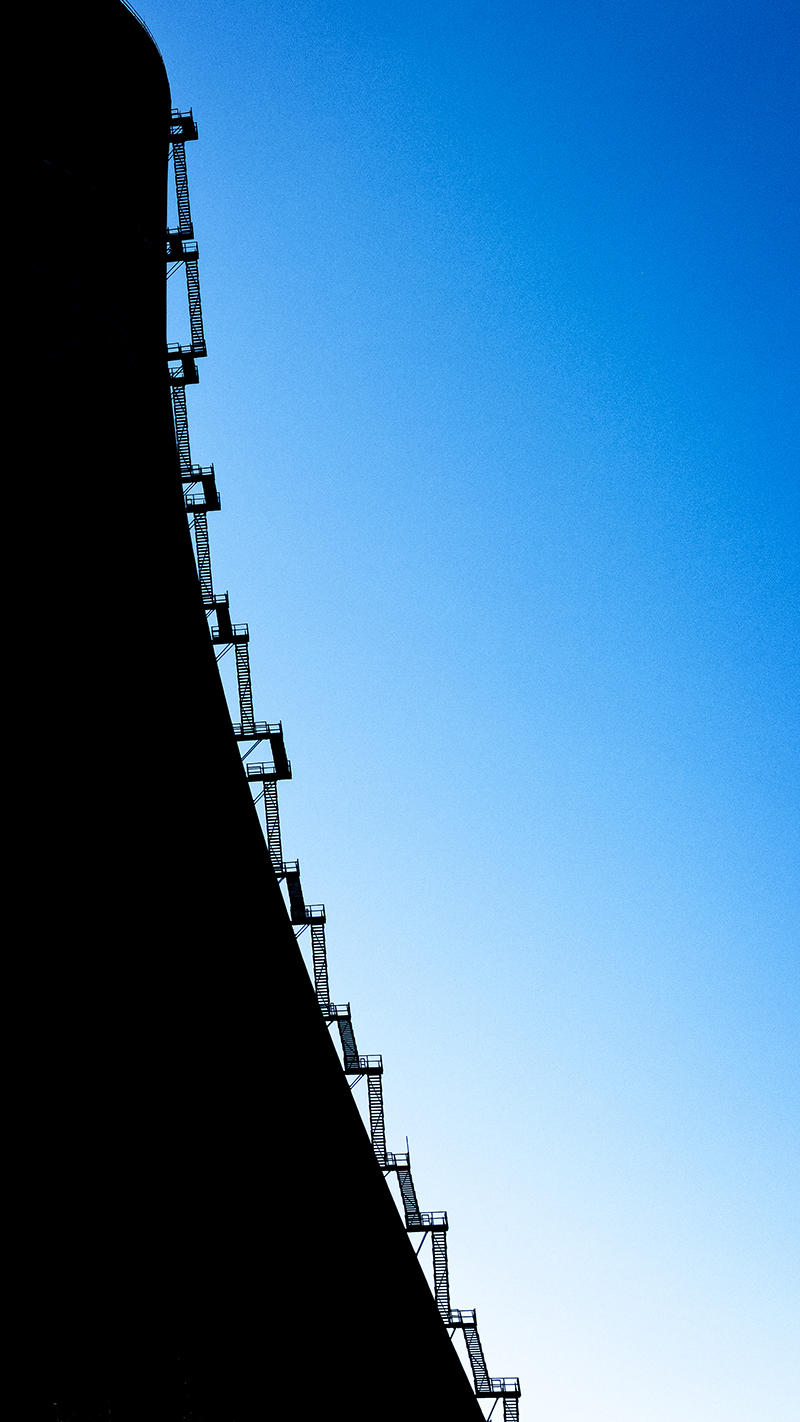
point(201, 498)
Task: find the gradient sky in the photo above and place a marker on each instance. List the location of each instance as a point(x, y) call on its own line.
point(502, 311)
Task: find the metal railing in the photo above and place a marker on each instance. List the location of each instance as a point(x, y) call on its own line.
point(397, 1162)
point(240, 632)
point(261, 770)
point(144, 26)
point(365, 1064)
point(426, 1220)
point(501, 1387)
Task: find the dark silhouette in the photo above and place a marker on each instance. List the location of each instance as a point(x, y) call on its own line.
point(200, 1224)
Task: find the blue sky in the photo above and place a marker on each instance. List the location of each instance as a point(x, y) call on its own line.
point(502, 312)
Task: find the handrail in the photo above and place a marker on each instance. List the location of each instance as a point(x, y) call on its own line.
point(397, 1162)
point(505, 1387)
point(428, 1220)
point(240, 632)
point(175, 350)
point(190, 249)
point(144, 26)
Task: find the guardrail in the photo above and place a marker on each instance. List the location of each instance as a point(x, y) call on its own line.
point(144, 26)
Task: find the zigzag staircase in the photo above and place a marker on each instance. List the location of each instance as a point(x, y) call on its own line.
point(224, 633)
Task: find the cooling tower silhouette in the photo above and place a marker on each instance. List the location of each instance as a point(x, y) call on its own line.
point(206, 1228)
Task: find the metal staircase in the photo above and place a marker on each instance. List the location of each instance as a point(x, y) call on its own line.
point(182, 129)
point(485, 1386)
point(198, 504)
point(319, 960)
point(401, 1165)
point(268, 775)
point(207, 500)
point(201, 497)
point(181, 248)
point(181, 420)
point(202, 550)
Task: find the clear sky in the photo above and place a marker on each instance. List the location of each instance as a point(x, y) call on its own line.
point(502, 311)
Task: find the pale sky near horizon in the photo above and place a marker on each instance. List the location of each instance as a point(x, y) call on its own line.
point(501, 304)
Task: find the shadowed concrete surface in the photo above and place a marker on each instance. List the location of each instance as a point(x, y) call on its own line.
point(202, 1229)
